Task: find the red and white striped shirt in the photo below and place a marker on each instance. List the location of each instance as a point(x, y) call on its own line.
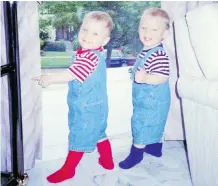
point(85, 63)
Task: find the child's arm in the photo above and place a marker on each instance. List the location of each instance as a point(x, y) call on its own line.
point(142, 77)
point(80, 70)
point(57, 77)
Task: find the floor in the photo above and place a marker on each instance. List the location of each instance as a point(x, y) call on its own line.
point(169, 170)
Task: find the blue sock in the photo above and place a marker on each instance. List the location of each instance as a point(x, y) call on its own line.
point(135, 157)
point(154, 149)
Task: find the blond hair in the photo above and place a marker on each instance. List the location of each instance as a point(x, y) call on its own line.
point(101, 16)
point(158, 12)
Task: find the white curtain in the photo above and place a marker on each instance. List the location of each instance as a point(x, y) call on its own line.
point(174, 128)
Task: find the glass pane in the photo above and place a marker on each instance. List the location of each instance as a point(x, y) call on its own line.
point(5, 128)
point(3, 49)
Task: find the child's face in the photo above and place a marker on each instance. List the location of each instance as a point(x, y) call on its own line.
point(93, 34)
point(152, 30)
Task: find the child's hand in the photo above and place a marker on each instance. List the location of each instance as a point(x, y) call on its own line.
point(43, 80)
point(140, 75)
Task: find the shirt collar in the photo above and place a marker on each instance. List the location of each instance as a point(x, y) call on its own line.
point(81, 51)
point(146, 50)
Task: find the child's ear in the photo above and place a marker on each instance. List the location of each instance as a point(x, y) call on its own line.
point(106, 40)
point(166, 34)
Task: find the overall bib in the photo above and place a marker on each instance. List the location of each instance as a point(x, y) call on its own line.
point(88, 109)
point(151, 105)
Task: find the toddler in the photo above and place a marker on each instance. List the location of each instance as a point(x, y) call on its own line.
point(150, 88)
point(87, 96)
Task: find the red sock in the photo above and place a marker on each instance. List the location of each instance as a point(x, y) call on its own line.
point(67, 171)
point(106, 159)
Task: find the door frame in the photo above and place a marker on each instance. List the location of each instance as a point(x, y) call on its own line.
point(12, 71)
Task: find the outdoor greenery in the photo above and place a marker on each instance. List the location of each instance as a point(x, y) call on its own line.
point(55, 46)
point(60, 54)
point(125, 14)
point(56, 59)
point(55, 62)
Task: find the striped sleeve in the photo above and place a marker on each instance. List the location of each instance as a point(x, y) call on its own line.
point(158, 63)
point(84, 65)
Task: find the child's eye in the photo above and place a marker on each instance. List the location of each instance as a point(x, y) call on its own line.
point(84, 29)
point(143, 28)
point(154, 29)
point(95, 33)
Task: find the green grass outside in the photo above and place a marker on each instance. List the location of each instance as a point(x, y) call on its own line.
point(56, 59)
point(59, 54)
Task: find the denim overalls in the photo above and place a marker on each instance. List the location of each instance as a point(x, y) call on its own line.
point(151, 105)
point(88, 109)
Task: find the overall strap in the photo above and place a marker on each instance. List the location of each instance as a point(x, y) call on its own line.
point(140, 62)
point(153, 50)
point(99, 55)
point(101, 58)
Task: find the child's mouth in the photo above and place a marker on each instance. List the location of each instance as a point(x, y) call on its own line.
point(147, 38)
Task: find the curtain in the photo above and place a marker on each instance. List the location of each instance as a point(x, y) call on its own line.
point(174, 128)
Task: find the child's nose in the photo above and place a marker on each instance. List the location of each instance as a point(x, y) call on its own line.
point(87, 35)
point(146, 32)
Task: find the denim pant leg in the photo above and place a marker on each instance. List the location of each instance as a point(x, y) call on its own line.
point(85, 128)
point(145, 127)
point(103, 123)
point(150, 115)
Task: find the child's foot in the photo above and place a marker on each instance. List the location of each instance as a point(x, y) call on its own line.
point(67, 171)
point(154, 149)
point(106, 158)
point(135, 157)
